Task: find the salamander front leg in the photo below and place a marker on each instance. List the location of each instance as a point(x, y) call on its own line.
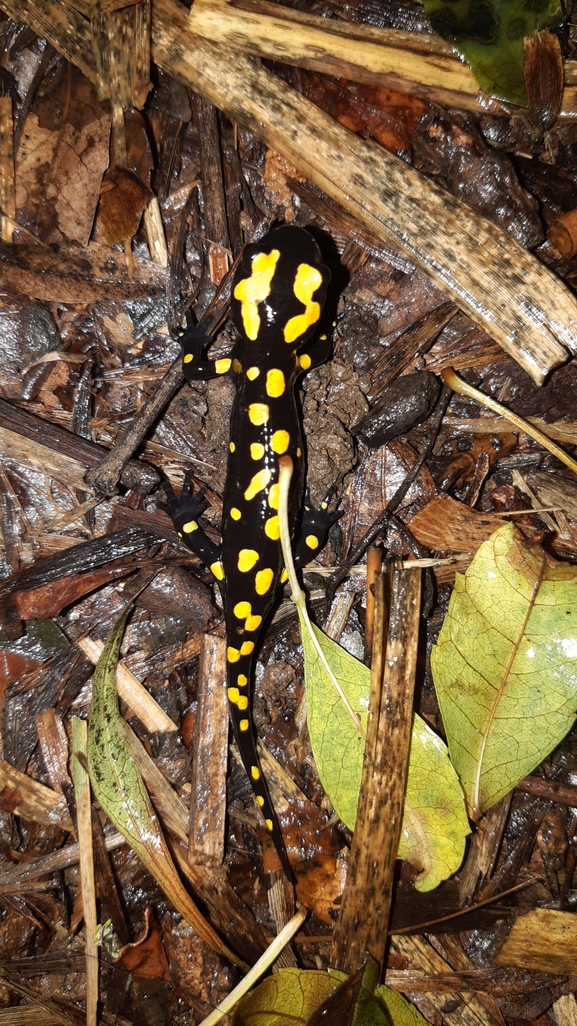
point(194, 340)
point(184, 511)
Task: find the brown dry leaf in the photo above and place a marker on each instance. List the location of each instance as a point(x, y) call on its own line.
point(446, 525)
point(526, 947)
point(320, 883)
point(76, 274)
point(123, 198)
point(544, 77)
point(50, 599)
point(139, 154)
point(146, 957)
point(374, 484)
point(371, 111)
point(60, 164)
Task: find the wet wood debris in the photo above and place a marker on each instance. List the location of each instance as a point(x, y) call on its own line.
point(126, 192)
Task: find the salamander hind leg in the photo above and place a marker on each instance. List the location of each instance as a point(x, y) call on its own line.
point(184, 511)
point(315, 525)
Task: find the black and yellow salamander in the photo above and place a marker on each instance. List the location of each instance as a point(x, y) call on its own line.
point(277, 297)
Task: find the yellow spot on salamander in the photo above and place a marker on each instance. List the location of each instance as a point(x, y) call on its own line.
point(255, 772)
point(284, 575)
point(231, 446)
point(254, 290)
point(242, 610)
point(218, 570)
point(280, 441)
point(268, 823)
point(233, 655)
point(235, 513)
point(299, 451)
point(233, 695)
point(246, 648)
point(258, 483)
point(312, 541)
point(247, 558)
point(275, 383)
point(263, 581)
point(253, 622)
point(190, 527)
point(304, 361)
point(258, 414)
point(244, 725)
point(260, 800)
point(307, 280)
point(256, 450)
point(222, 366)
point(252, 373)
point(242, 680)
point(273, 496)
point(272, 528)
point(188, 358)
point(242, 703)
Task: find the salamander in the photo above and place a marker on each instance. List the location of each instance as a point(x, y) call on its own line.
point(278, 294)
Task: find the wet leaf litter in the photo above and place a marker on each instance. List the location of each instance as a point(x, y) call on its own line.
point(97, 270)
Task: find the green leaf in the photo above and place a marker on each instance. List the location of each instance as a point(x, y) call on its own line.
point(489, 35)
point(120, 789)
point(505, 666)
point(303, 997)
point(288, 998)
point(435, 823)
point(379, 1004)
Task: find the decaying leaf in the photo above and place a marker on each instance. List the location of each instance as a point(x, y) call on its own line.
point(286, 999)
point(123, 198)
point(505, 666)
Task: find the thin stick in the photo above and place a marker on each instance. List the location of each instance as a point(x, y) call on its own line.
point(84, 820)
point(462, 387)
point(259, 968)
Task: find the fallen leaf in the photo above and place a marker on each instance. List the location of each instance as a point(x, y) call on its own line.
point(505, 665)
point(434, 823)
point(123, 198)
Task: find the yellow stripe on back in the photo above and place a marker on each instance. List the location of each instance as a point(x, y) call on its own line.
point(307, 281)
point(254, 290)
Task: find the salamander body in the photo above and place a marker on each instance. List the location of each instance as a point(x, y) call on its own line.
point(277, 298)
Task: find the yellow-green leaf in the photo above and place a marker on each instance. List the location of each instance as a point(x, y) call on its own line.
point(435, 823)
point(401, 1012)
point(288, 998)
point(120, 789)
point(505, 666)
point(337, 688)
point(295, 997)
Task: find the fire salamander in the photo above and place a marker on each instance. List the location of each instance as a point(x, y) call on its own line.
point(277, 297)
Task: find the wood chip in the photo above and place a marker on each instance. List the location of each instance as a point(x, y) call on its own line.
point(526, 946)
point(32, 800)
point(446, 525)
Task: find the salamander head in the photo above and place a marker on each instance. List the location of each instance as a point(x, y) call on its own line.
point(279, 289)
